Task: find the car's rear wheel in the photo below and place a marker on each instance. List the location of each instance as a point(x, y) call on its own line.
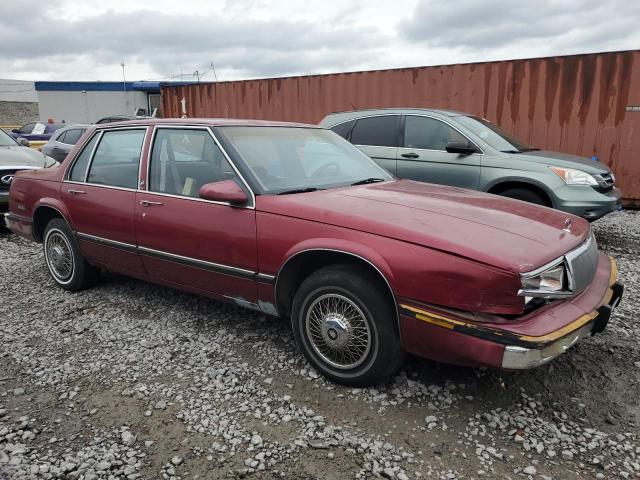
point(345, 324)
point(526, 195)
point(67, 266)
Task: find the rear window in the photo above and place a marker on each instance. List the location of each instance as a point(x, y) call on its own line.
point(379, 131)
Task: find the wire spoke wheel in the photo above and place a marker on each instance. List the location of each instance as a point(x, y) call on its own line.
point(59, 256)
point(338, 331)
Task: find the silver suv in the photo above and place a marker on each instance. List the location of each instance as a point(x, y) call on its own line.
point(458, 149)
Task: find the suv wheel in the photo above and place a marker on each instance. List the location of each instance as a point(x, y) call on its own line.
point(345, 324)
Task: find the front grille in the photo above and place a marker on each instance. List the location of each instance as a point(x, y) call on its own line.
point(605, 182)
point(582, 264)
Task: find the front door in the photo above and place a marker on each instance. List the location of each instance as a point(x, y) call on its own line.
point(185, 240)
point(99, 193)
point(423, 154)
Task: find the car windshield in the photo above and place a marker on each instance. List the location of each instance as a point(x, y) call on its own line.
point(6, 140)
point(296, 159)
point(494, 135)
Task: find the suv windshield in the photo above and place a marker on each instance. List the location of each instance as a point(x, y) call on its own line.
point(295, 159)
point(6, 140)
point(494, 135)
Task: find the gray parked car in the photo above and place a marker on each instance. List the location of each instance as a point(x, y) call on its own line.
point(62, 141)
point(453, 148)
point(14, 157)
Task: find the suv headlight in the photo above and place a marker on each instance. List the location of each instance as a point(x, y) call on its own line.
point(571, 176)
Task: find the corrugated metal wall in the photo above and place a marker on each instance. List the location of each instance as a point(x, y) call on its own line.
point(576, 104)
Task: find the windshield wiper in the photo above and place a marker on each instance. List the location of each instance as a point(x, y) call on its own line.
point(368, 180)
point(299, 190)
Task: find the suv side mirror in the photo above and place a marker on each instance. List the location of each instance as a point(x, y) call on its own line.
point(460, 148)
point(24, 142)
point(224, 191)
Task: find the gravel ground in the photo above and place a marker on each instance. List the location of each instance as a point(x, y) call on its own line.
point(132, 380)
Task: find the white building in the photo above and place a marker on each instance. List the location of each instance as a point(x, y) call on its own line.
point(87, 102)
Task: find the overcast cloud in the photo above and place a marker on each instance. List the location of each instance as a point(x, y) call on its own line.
point(162, 39)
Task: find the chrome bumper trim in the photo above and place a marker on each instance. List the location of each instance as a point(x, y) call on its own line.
point(521, 358)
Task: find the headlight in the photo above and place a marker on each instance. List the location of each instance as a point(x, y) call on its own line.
point(552, 280)
point(571, 176)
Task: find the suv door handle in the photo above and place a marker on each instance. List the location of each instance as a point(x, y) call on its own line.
point(76, 192)
point(410, 155)
point(148, 203)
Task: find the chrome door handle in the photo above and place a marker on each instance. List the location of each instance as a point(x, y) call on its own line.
point(148, 203)
point(76, 192)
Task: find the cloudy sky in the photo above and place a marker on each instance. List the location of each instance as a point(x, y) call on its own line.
point(162, 39)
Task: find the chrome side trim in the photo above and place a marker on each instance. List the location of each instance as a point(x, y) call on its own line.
point(265, 278)
point(393, 295)
point(106, 242)
point(194, 262)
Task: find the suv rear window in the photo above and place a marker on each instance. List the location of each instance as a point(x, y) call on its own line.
point(381, 131)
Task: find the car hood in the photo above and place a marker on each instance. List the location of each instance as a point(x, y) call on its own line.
point(497, 231)
point(564, 160)
point(21, 157)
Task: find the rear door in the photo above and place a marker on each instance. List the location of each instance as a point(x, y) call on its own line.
point(378, 137)
point(422, 155)
point(99, 192)
point(188, 241)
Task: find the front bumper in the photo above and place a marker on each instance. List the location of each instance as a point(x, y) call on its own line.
point(532, 340)
point(586, 202)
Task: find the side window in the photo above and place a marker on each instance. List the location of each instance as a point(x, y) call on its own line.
point(80, 166)
point(71, 137)
point(117, 159)
point(429, 133)
point(27, 129)
point(184, 160)
point(376, 131)
point(61, 137)
point(344, 128)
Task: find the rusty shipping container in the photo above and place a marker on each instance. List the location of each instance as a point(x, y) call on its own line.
point(583, 104)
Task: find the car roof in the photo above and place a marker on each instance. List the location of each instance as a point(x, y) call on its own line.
point(210, 122)
point(340, 117)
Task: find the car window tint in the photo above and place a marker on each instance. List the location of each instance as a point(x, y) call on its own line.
point(117, 159)
point(379, 131)
point(429, 133)
point(27, 129)
point(80, 165)
point(72, 136)
point(344, 128)
point(184, 160)
point(61, 137)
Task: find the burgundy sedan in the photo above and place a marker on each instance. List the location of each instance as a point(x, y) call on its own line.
point(294, 221)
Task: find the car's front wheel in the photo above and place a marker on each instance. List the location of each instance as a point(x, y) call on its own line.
point(67, 266)
point(345, 324)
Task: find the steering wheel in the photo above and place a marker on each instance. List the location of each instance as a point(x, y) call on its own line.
point(325, 170)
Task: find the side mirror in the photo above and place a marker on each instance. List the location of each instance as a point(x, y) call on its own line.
point(24, 142)
point(224, 191)
point(460, 148)
point(15, 130)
